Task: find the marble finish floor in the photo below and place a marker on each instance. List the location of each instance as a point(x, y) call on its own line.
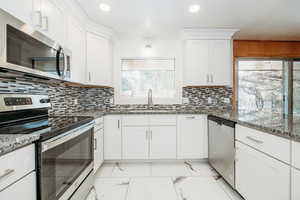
point(161, 181)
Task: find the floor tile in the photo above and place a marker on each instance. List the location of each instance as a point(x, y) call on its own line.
point(105, 170)
point(170, 169)
point(112, 188)
point(195, 188)
point(132, 170)
point(200, 169)
point(151, 188)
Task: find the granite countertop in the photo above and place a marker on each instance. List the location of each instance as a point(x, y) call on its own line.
point(273, 123)
point(10, 143)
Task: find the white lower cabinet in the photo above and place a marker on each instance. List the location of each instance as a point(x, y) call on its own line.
point(98, 149)
point(192, 137)
point(259, 176)
point(24, 189)
point(295, 184)
point(163, 142)
point(135, 143)
point(112, 137)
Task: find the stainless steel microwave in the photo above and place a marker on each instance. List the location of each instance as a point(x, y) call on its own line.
point(24, 49)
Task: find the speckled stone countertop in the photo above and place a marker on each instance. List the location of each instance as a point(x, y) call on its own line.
point(273, 123)
point(10, 143)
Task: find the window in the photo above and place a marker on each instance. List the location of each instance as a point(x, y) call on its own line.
point(140, 75)
point(261, 85)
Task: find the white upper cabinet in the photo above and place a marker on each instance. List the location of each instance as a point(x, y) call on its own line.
point(23, 10)
point(207, 62)
point(76, 43)
point(207, 57)
point(53, 21)
point(99, 60)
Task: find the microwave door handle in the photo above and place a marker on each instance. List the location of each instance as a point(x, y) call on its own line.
point(57, 61)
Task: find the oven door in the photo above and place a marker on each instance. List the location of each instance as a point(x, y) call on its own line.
point(64, 163)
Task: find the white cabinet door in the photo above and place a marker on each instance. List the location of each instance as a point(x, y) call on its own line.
point(20, 9)
point(24, 189)
point(99, 60)
point(220, 62)
point(259, 176)
point(98, 149)
point(192, 137)
point(135, 142)
point(76, 38)
point(295, 184)
point(196, 59)
point(163, 142)
point(112, 137)
point(54, 24)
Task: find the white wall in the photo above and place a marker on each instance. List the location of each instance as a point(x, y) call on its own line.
point(126, 47)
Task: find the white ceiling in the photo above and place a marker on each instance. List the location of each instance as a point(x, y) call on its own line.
point(256, 19)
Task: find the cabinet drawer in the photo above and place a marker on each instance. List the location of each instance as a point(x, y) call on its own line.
point(24, 189)
point(162, 120)
point(264, 142)
point(135, 120)
point(16, 165)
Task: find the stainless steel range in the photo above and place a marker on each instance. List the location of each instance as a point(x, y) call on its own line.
point(64, 151)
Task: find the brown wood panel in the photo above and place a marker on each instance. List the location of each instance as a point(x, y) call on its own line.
point(267, 49)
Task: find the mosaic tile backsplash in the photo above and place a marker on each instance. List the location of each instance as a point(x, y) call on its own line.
point(69, 99)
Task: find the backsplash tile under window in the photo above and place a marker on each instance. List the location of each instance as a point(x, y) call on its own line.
point(69, 99)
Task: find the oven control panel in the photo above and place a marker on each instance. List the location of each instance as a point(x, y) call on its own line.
point(17, 101)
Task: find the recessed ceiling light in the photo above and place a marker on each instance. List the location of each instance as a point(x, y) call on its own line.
point(104, 7)
point(194, 8)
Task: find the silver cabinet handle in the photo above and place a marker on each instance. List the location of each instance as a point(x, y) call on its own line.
point(192, 117)
point(118, 124)
point(150, 134)
point(37, 19)
point(90, 76)
point(7, 173)
point(45, 23)
point(95, 144)
point(146, 135)
point(254, 140)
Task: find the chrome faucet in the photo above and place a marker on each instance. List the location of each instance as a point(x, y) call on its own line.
point(150, 100)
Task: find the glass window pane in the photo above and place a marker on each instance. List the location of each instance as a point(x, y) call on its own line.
point(260, 86)
point(296, 87)
point(138, 76)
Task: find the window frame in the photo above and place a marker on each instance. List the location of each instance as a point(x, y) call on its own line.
point(119, 99)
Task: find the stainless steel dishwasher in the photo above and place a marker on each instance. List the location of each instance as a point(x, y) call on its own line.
point(221, 148)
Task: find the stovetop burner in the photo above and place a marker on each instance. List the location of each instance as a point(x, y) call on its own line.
point(47, 127)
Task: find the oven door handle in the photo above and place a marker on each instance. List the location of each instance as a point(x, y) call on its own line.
point(53, 142)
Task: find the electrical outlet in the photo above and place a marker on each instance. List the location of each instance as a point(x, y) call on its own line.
point(112, 100)
point(209, 100)
point(185, 100)
point(226, 100)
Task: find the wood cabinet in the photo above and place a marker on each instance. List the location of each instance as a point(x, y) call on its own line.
point(77, 44)
point(207, 62)
point(99, 60)
point(112, 137)
point(259, 176)
point(163, 142)
point(135, 142)
point(192, 136)
point(266, 49)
